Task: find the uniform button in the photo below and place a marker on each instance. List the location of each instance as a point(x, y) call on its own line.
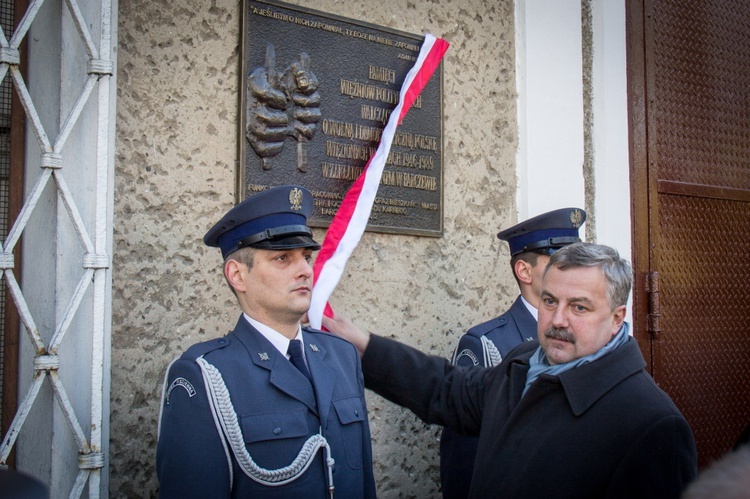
point(277, 431)
point(356, 413)
point(221, 342)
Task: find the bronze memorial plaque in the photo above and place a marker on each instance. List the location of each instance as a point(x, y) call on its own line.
point(317, 91)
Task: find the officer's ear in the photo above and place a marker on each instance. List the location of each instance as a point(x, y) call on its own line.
point(522, 269)
point(234, 272)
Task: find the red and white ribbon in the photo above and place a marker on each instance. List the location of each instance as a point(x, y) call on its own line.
point(349, 223)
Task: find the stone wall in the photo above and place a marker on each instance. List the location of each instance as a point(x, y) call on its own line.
point(177, 129)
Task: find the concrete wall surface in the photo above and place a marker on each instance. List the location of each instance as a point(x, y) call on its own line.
point(176, 160)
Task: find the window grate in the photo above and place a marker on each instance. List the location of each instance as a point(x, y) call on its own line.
point(6, 90)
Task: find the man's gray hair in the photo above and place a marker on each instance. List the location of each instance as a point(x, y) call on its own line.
point(617, 271)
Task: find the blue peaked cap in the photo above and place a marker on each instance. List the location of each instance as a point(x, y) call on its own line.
point(273, 219)
point(545, 233)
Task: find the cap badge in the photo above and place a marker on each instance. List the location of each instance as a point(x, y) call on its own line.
point(575, 218)
point(295, 199)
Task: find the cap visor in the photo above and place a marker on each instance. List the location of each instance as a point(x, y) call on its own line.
point(290, 242)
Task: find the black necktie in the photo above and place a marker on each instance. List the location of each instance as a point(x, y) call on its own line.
point(295, 353)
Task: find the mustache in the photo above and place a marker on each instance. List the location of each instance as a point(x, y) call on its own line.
point(560, 334)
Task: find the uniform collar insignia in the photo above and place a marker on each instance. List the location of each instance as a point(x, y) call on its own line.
point(263, 355)
point(314, 347)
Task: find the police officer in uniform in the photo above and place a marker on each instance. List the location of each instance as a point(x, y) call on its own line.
point(272, 409)
point(531, 243)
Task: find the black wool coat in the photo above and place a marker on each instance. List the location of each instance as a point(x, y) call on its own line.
point(603, 429)
point(458, 452)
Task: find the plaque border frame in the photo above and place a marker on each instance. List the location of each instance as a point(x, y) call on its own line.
point(240, 178)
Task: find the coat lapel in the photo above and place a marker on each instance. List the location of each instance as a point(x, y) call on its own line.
point(516, 372)
point(323, 376)
point(525, 322)
point(282, 374)
point(586, 384)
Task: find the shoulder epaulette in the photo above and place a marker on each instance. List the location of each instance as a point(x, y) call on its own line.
point(203, 348)
point(481, 329)
point(327, 334)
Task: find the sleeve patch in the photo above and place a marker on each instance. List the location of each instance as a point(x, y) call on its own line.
point(183, 383)
point(467, 353)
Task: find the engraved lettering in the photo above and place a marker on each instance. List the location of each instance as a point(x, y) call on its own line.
point(369, 92)
point(351, 131)
point(326, 195)
point(412, 181)
point(271, 14)
point(382, 74)
point(406, 160)
point(348, 151)
point(341, 172)
point(407, 46)
point(256, 187)
point(389, 209)
point(415, 141)
point(396, 202)
point(373, 113)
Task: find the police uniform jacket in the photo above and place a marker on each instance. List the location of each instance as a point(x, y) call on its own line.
point(505, 332)
point(457, 452)
point(276, 411)
point(603, 429)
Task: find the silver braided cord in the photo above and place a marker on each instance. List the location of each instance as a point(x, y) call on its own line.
point(221, 405)
point(492, 355)
point(219, 425)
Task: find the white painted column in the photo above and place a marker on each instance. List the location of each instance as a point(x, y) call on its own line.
point(550, 105)
point(611, 161)
point(550, 114)
point(610, 135)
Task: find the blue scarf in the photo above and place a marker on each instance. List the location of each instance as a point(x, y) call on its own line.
point(538, 363)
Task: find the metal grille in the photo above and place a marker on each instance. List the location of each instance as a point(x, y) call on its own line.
point(702, 63)
point(91, 226)
point(6, 88)
point(699, 131)
point(702, 358)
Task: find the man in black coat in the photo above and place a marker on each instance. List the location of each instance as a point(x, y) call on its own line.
point(531, 243)
point(574, 415)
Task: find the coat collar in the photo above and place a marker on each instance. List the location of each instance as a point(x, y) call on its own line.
point(585, 384)
point(525, 322)
point(323, 375)
point(283, 375)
